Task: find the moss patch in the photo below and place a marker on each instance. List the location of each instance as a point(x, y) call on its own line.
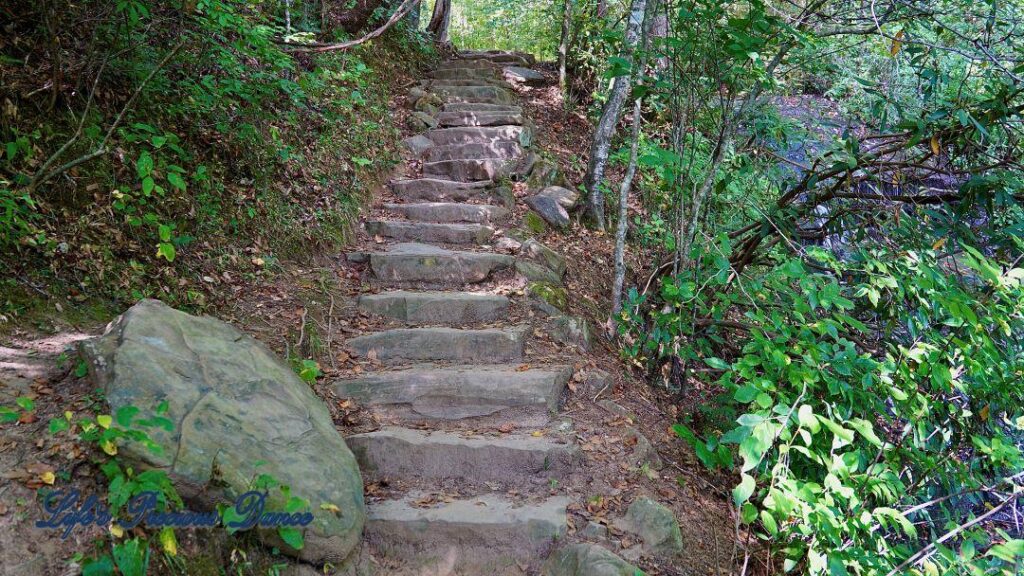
point(554, 295)
point(534, 223)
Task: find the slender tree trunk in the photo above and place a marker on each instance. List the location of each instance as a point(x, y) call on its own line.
point(563, 46)
point(440, 20)
point(623, 223)
point(602, 8)
point(605, 129)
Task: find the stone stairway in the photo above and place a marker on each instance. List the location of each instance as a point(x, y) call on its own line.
point(463, 406)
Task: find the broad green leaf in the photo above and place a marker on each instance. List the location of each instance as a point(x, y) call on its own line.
point(742, 492)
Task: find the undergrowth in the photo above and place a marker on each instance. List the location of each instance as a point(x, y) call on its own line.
point(154, 148)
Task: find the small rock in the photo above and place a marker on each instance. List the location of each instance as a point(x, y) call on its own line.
point(418, 144)
point(617, 410)
point(571, 330)
point(632, 554)
point(550, 210)
point(520, 168)
point(545, 173)
point(422, 121)
point(524, 75)
point(507, 244)
point(358, 257)
point(644, 452)
point(566, 198)
point(538, 252)
point(417, 93)
point(597, 380)
point(655, 525)
point(594, 531)
point(586, 560)
point(535, 272)
point(429, 103)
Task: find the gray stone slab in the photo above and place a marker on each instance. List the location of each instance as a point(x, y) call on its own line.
point(450, 212)
point(464, 170)
point(482, 535)
point(407, 453)
point(452, 119)
point(413, 262)
point(488, 346)
point(463, 392)
point(430, 232)
point(436, 307)
point(505, 149)
point(478, 135)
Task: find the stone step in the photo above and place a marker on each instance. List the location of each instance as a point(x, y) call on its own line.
point(505, 149)
point(450, 212)
point(479, 81)
point(430, 232)
point(477, 107)
point(486, 169)
point(468, 63)
point(481, 94)
point(406, 453)
point(452, 119)
point(486, 535)
point(436, 307)
point(489, 73)
point(463, 392)
point(478, 135)
point(502, 56)
point(488, 346)
point(438, 190)
point(422, 263)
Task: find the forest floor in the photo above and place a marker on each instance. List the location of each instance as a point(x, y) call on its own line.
point(304, 309)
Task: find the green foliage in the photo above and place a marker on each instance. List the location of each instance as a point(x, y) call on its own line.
point(523, 25)
point(233, 138)
point(851, 297)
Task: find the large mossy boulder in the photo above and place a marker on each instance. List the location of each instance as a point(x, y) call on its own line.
point(586, 560)
point(238, 412)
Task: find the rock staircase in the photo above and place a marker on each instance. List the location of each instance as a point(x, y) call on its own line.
point(464, 408)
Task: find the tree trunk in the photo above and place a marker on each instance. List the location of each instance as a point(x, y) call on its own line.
point(440, 20)
point(563, 46)
point(623, 224)
point(605, 129)
point(602, 8)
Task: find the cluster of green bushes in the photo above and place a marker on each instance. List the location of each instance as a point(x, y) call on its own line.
point(848, 293)
point(179, 139)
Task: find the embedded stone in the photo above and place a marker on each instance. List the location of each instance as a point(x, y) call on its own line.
point(587, 560)
point(430, 232)
point(549, 209)
point(413, 262)
point(656, 526)
point(461, 392)
point(450, 212)
point(436, 307)
point(404, 453)
point(488, 346)
point(526, 76)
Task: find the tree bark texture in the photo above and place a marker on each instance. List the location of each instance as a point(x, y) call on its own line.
point(440, 20)
point(623, 223)
point(604, 130)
